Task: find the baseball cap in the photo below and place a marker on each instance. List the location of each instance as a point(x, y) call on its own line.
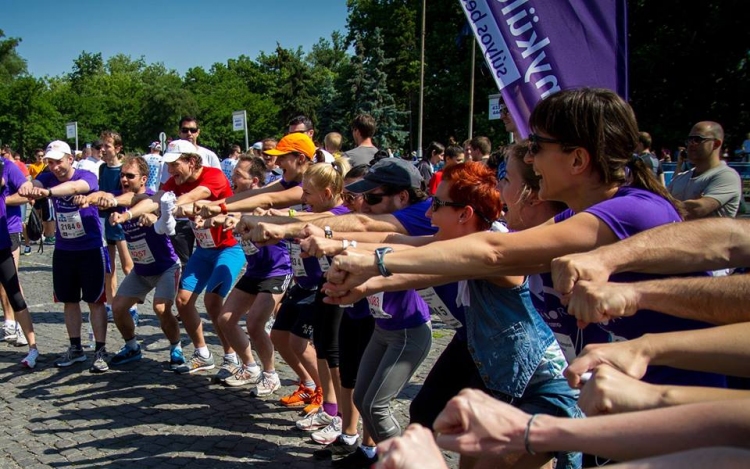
point(57, 150)
point(294, 142)
point(258, 146)
point(176, 148)
point(155, 146)
point(392, 171)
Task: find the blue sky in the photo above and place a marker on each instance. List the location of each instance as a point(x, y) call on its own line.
point(181, 34)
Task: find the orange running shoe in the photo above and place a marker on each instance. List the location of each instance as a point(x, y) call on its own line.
point(315, 403)
point(299, 398)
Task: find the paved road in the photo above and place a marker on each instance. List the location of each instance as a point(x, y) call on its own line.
point(141, 415)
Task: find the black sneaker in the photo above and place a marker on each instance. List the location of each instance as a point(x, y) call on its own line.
point(356, 460)
point(336, 449)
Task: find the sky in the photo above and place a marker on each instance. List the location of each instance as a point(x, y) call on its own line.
point(181, 34)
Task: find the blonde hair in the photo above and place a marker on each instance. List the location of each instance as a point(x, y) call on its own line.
point(327, 175)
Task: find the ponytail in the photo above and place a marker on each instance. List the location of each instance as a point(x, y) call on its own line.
point(642, 177)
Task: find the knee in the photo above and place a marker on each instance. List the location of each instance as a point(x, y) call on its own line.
point(182, 302)
point(161, 307)
point(213, 304)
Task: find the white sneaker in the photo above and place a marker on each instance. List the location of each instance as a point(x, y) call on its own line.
point(268, 384)
point(20, 337)
point(8, 332)
point(315, 421)
point(166, 222)
point(243, 376)
point(30, 360)
point(330, 433)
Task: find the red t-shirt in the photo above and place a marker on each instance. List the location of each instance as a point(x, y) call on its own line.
point(435, 181)
point(22, 166)
point(215, 181)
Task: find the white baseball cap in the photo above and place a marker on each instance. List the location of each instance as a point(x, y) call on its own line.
point(57, 150)
point(176, 148)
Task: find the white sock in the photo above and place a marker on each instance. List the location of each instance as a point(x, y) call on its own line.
point(370, 451)
point(203, 352)
point(178, 345)
point(232, 357)
point(166, 222)
point(132, 344)
point(349, 439)
point(10, 324)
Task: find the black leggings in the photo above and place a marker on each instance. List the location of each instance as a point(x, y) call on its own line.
point(9, 280)
point(354, 335)
point(326, 322)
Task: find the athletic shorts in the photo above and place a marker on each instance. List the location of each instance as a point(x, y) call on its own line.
point(295, 313)
point(9, 280)
point(15, 241)
point(79, 275)
point(111, 233)
point(272, 285)
point(138, 286)
point(213, 270)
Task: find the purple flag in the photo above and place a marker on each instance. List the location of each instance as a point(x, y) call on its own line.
point(537, 47)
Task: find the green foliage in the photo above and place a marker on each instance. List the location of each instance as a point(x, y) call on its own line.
point(11, 64)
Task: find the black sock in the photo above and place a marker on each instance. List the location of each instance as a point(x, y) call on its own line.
point(75, 342)
point(98, 346)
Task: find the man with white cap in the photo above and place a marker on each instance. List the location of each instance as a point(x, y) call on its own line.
point(80, 258)
point(217, 260)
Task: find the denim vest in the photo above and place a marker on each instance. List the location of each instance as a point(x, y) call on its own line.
point(506, 336)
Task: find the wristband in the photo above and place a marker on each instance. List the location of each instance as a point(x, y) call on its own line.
point(379, 255)
point(223, 208)
point(328, 232)
point(130, 214)
point(114, 201)
point(49, 193)
point(353, 244)
point(292, 213)
point(345, 243)
point(526, 435)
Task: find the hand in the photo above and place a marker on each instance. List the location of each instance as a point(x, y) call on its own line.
point(475, 424)
point(312, 230)
point(631, 357)
point(32, 192)
point(319, 247)
point(265, 234)
point(600, 302)
point(147, 219)
point(336, 295)
point(245, 225)
point(261, 212)
point(415, 449)
point(205, 210)
point(184, 211)
point(81, 200)
point(229, 222)
point(351, 268)
point(117, 218)
point(611, 392)
point(106, 202)
point(567, 270)
point(274, 212)
point(202, 223)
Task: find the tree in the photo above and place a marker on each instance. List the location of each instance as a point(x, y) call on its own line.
point(11, 64)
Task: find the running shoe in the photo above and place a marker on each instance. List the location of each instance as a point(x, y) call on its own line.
point(126, 355)
point(336, 449)
point(100, 362)
point(30, 360)
point(8, 332)
point(20, 337)
point(49, 241)
point(268, 384)
point(71, 356)
point(242, 377)
point(27, 250)
point(227, 369)
point(316, 421)
point(330, 433)
point(176, 359)
point(316, 403)
point(356, 460)
point(196, 363)
point(299, 398)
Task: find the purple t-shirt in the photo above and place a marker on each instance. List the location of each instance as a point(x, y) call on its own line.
point(77, 229)
point(13, 180)
point(5, 242)
point(629, 212)
point(414, 220)
point(266, 261)
point(308, 271)
point(151, 252)
point(398, 310)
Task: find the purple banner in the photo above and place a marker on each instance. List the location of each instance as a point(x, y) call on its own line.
point(537, 47)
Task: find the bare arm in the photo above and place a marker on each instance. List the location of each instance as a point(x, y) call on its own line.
point(708, 244)
point(717, 300)
point(147, 205)
point(699, 208)
point(278, 198)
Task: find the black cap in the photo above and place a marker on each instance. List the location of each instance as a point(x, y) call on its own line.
point(391, 171)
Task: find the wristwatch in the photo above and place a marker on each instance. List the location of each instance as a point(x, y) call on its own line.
point(328, 232)
point(379, 255)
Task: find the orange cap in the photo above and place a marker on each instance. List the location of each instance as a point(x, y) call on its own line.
point(296, 142)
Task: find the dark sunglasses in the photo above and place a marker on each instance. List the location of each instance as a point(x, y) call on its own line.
point(350, 197)
point(189, 130)
point(437, 203)
point(129, 176)
point(697, 139)
point(374, 199)
point(535, 140)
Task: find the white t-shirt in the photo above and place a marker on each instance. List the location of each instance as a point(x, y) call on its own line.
point(89, 164)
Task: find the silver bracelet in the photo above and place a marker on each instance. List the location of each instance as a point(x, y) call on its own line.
point(526, 435)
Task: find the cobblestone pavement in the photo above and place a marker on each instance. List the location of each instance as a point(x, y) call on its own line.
point(141, 414)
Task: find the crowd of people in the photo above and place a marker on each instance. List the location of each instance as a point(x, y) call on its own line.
point(598, 314)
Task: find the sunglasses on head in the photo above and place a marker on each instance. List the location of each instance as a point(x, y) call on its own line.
point(535, 140)
point(129, 176)
point(189, 130)
point(697, 139)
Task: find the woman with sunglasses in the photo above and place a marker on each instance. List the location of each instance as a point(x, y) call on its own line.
point(504, 347)
point(582, 150)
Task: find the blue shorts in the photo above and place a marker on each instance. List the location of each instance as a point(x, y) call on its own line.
point(111, 232)
point(213, 269)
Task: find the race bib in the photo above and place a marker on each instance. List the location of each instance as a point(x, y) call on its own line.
point(204, 238)
point(70, 225)
point(438, 308)
point(324, 264)
point(140, 252)
point(248, 247)
point(376, 306)
point(567, 346)
point(295, 256)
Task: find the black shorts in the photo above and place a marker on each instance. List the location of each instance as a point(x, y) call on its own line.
point(9, 280)
point(272, 285)
point(296, 313)
point(44, 206)
point(79, 275)
point(15, 241)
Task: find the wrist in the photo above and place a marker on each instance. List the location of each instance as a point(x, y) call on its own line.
point(129, 214)
point(223, 208)
point(49, 193)
point(380, 261)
